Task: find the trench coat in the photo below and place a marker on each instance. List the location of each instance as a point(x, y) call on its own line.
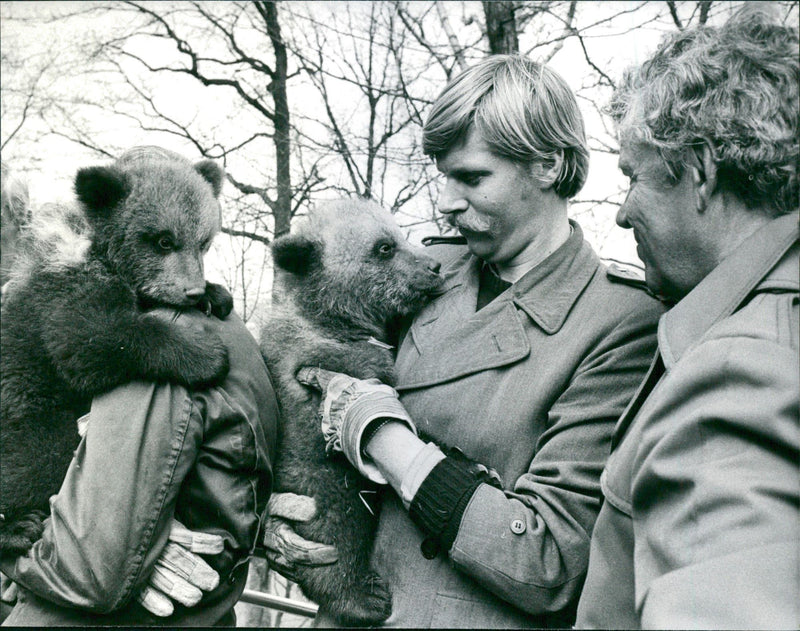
point(531, 385)
point(152, 451)
point(700, 527)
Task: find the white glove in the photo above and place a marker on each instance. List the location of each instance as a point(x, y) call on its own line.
point(348, 407)
point(180, 574)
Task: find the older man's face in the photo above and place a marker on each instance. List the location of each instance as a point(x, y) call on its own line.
point(665, 221)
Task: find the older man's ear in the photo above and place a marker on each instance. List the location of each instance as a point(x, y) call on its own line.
point(704, 174)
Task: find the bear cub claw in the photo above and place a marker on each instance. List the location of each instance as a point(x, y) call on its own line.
point(20, 535)
point(217, 301)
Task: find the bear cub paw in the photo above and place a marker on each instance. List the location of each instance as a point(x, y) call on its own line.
point(217, 301)
point(17, 537)
point(368, 605)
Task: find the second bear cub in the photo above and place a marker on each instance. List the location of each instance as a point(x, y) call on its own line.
point(342, 280)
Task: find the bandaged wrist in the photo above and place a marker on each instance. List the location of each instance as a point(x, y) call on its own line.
point(371, 407)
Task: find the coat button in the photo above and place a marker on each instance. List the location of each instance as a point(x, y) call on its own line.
point(518, 526)
point(430, 547)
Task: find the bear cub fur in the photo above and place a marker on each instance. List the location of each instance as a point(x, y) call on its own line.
point(342, 281)
point(95, 303)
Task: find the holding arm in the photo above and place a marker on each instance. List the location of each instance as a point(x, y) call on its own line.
point(527, 542)
point(111, 518)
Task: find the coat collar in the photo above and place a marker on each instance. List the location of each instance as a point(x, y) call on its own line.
point(721, 292)
point(449, 339)
point(548, 291)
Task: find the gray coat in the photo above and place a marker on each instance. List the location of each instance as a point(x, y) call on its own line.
point(531, 385)
point(700, 527)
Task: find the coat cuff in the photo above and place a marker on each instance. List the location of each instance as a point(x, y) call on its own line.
point(442, 498)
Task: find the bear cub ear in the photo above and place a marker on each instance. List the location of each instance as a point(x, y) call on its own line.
point(295, 254)
point(212, 173)
point(100, 188)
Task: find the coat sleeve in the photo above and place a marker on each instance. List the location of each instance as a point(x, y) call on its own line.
point(715, 491)
point(109, 521)
point(530, 544)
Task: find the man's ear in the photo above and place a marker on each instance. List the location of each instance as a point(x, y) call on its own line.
point(547, 174)
point(100, 189)
point(295, 253)
point(704, 174)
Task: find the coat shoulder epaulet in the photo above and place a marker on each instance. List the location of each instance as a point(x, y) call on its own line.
point(626, 273)
point(444, 240)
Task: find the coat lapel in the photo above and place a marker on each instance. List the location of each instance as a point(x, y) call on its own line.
point(722, 292)
point(716, 297)
point(449, 339)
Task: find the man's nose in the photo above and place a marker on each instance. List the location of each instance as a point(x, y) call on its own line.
point(451, 200)
point(622, 216)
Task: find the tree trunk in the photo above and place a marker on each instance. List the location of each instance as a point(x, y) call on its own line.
point(501, 26)
point(282, 208)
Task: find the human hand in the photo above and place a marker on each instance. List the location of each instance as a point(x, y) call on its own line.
point(348, 407)
point(285, 549)
point(180, 574)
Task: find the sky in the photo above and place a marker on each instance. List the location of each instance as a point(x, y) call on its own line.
point(613, 46)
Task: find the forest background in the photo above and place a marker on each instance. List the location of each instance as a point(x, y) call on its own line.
point(302, 102)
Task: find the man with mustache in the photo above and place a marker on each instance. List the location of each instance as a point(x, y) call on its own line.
point(523, 364)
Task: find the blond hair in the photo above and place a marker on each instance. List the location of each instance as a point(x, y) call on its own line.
point(522, 109)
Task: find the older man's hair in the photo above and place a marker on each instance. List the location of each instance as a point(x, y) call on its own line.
point(524, 112)
point(734, 87)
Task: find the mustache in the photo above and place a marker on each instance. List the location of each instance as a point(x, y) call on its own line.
point(459, 224)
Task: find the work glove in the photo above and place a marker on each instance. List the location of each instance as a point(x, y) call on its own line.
point(348, 407)
point(285, 549)
point(180, 575)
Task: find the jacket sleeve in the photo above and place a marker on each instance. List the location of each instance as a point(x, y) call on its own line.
point(109, 521)
point(715, 491)
point(529, 544)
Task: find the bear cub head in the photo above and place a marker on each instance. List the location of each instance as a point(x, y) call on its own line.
point(349, 268)
point(152, 217)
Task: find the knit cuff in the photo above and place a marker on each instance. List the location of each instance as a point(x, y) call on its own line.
point(441, 500)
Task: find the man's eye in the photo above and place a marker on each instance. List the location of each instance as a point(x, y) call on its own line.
point(471, 180)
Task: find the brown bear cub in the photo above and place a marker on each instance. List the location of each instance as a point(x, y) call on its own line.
point(81, 316)
point(342, 281)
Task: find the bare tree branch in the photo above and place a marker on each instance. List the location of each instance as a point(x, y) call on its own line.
point(673, 11)
point(244, 233)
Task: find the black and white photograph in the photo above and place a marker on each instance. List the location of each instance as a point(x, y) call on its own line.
point(400, 313)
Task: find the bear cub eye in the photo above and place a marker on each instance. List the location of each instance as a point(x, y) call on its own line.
point(163, 243)
point(385, 249)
